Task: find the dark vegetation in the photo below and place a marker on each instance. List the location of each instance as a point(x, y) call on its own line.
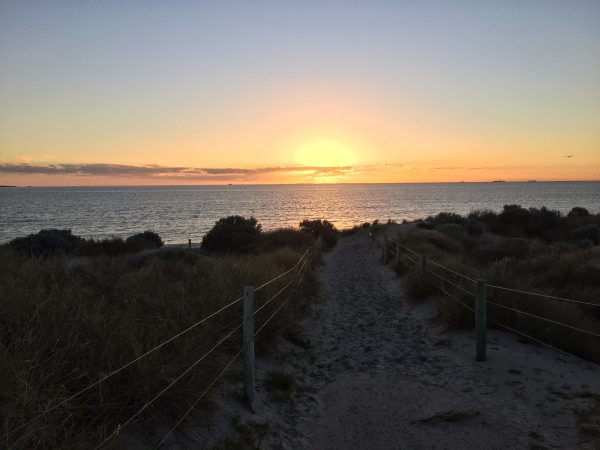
point(323, 228)
point(535, 250)
point(63, 242)
point(235, 234)
point(64, 325)
point(280, 385)
point(578, 226)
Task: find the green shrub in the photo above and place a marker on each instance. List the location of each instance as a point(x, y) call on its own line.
point(322, 228)
point(474, 227)
point(46, 243)
point(589, 232)
point(578, 211)
point(144, 241)
point(285, 237)
point(454, 230)
point(446, 218)
point(233, 234)
point(62, 242)
point(506, 248)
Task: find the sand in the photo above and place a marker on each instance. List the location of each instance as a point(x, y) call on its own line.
point(386, 378)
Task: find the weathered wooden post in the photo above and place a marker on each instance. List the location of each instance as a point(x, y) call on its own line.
point(190, 245)
point(424, 268)
point(385, 249)
point(481, 319)
point(248, 332)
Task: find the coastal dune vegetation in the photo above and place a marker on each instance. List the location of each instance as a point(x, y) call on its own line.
point(534, 250)
point(75, 310)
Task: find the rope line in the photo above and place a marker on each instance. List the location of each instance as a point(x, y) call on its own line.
point(171, 384)
point(212, 383)
point(301, 279)
point(545, 344)
point(274, 279)
point(544, 295)
point(304, 266)
point(450, 270)
point(537, 294)
point(409, 258)
point(283, 303)
point(591, 333)
point(273, 297)
point(450, 282)
point(406, 264)
point(123, 367)
point(453, 297)
point(410, 250)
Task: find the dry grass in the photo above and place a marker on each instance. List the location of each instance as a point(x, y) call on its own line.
point(561, 269)
point(65, 325)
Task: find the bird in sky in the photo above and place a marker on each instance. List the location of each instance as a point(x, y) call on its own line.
point(568, 156)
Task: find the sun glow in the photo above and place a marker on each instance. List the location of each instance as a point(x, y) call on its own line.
point(325, 153)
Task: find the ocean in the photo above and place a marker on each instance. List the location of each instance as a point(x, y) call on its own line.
point(179, 213)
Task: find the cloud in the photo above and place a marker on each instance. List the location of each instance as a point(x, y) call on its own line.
point(154, 171)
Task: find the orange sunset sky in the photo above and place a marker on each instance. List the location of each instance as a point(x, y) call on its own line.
point(118, 93)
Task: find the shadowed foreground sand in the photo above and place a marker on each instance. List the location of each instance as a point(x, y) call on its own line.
point(385, 378)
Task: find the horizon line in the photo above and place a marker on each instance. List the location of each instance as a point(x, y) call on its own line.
point(308, 184)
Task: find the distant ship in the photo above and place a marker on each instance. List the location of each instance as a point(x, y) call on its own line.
point(498, 181)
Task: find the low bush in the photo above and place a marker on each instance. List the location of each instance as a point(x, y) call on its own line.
point(578, 212)
point(233, 234)
point(285, 237)
point(454, 230)
point(323, 228)
point(62, 242)
point(46, 243)
point(355, 229)
point(143, 241)
point(589, 232)
point(506, 248)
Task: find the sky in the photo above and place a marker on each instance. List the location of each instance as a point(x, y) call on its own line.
point(193, 92)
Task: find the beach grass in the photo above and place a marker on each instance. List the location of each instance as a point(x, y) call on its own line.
point(561, 267)
point(67, 322)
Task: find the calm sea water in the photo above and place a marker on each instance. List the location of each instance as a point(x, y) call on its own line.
point(179, 213)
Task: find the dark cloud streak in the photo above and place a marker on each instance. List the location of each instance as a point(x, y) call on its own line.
point(161, 172)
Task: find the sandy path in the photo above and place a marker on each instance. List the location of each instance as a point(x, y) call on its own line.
point(385, 379)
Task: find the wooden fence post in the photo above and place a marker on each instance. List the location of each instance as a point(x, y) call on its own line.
point(480, 320)
point(248, 332)
point(190, 245)
point(424, 268)
point(385, 249)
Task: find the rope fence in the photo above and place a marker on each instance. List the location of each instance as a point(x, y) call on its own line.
point(299, 269)
point(400, 253)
